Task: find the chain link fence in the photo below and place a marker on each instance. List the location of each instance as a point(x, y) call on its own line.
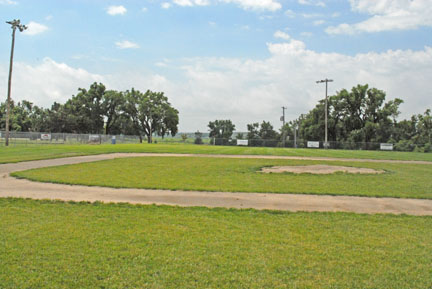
point(41, 138)
point(401, 146)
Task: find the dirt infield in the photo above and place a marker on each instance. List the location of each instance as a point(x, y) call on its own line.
point(11, 187)
point(319, 170)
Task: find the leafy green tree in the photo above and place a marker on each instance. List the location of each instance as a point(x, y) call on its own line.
point(150, 112)
point(112, 106)
point(359, 115)
point(253, 131)
point(25, 117)
point(267, 132)
point(198, 138)
point(84, 112)
point(240, 135)
point(222, 129)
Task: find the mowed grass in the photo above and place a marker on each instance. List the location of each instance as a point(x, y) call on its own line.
point(240, 175)
point(47, 244)
point(27, 153)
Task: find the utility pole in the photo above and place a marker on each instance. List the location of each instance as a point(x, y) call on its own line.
point(16, 23)
point(326, 110)
point(283, 124)
point(283, 115)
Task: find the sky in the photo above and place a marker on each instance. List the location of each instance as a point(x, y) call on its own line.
point(221, 59)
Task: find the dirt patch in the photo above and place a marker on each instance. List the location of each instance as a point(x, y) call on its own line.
point(319, 169)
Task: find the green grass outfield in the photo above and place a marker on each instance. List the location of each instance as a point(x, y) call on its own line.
point(22, 153)
point(241, 175)
point(47, 244)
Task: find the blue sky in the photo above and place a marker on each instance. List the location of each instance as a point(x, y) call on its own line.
point(219, 59)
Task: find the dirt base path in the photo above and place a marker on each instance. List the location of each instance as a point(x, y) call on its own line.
point(11, 187)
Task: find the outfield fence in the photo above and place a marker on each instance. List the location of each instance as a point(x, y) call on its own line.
point(42, 138)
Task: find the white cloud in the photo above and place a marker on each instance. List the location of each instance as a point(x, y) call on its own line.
point(144, 9)
point(47, 82)
point(312, 15)
point(212, 24)
point(387, 15)
point(318, 22)
point(8, 2)
point(312, 2)
point(306, 34)
point(125, 44)
point(258, 5)
point(247, 91)
point(244, 90)
point(34, 28)
point(202, 2)
point(281, 34)
point(183, 2)
point(116, 10)
point(166, 5)
point(190, 3)
point(290, 13)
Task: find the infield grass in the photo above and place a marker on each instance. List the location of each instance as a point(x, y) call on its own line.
point(38, 152)
point(46, 244)
point(240, 175)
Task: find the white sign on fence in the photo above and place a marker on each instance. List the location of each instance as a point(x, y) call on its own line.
point(386, 146)
point(242, 142)
point(94, 138)
point(313, 144)
point(45, 136)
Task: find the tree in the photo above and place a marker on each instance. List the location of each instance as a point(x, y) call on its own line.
point(222, 129)
point(253, 131)
point(25, 117)
point(198, 137)
point(287, 131)
point(112, 106)
point(267, 132)
point(84, 112)
point(150, 112)
point(361, 115)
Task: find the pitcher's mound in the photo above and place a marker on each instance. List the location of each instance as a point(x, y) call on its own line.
point(319, 169)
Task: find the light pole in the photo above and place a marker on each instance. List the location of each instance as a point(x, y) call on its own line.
point(326, 110)
point(283, 124)
point(16, 23)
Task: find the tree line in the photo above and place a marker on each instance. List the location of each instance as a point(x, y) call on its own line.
point(97, 111)
point(360, 115)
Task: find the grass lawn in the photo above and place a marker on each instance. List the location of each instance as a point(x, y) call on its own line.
point(47, 244)
point(38, 152)
point(240, 175)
